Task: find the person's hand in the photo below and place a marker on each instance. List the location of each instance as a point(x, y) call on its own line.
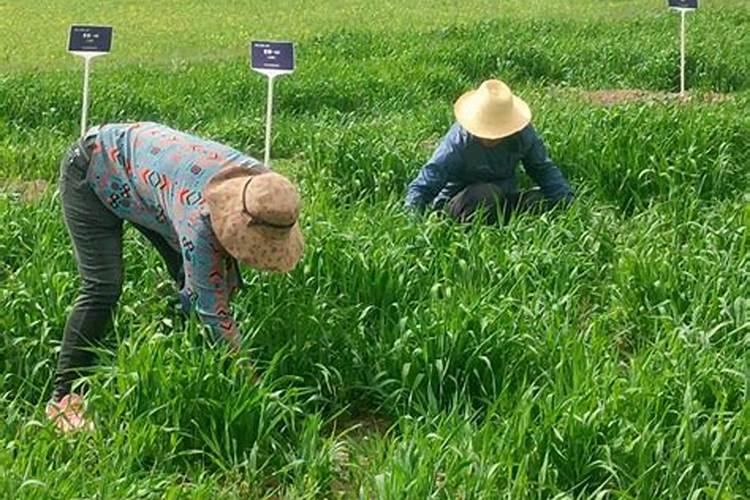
point(68, 414)
point(185, 304)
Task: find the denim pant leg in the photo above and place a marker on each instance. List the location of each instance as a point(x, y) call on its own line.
point(172, 258)
point(96, 234)
point(487, 198)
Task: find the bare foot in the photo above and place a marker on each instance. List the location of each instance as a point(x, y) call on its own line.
point(68, 414)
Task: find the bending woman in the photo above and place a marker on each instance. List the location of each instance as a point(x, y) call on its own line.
point(203, 205)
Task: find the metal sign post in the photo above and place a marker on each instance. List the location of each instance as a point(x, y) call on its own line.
point(682, 52)
point(88, 42)
point(683, 7)
point(269, 117)
point(271, 59)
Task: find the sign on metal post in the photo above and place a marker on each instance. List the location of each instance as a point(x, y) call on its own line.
point(84, 40)
point(683, 4)
point(683, 7)
point(88, 42)
point(271, 59)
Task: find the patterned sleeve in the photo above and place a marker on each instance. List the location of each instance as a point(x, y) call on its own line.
point(207, 279)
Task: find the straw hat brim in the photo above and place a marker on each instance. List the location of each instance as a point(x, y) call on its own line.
point(496, 127)
point(261, 247)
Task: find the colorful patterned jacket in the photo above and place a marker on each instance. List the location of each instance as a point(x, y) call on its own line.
point(154, 176)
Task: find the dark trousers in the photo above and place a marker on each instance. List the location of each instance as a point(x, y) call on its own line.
point(96, 234)
point(494, 206)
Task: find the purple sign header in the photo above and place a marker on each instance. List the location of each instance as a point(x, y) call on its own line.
point(683, 4)
point(273, 56)
point(90, 39)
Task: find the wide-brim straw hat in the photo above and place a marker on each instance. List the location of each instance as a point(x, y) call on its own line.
point(255, 218)
point(492, 111)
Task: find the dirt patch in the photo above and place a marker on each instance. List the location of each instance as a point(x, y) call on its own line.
point(353, 432)
point(28, 191)
point(363, 426)
point(624, 96)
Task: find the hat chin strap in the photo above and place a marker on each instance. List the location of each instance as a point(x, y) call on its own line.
point(257, 221)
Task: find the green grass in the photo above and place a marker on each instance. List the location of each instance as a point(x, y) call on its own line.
point(161, 31)
point(596, 353)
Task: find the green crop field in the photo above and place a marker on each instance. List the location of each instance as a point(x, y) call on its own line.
point(601, 352)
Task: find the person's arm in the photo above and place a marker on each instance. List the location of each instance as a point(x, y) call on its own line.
point(206, 280)
point(543, 171)
point(436, 172)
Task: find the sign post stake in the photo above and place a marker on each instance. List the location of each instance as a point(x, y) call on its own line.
point(682, 52)
point(683, 7)
point(88, 42)
point(271, 59)
point(85, 100)
point(269, 117)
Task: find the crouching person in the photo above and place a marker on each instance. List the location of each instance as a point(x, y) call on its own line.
point(473, 170)
point(203, 205)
